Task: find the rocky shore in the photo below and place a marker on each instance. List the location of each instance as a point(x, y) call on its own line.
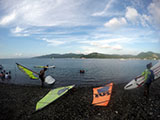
point(19, 102)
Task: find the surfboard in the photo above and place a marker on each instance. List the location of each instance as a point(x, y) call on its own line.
point(51, 96)
point(102, 95)
point(52, 66)
point(49, 79)
point(139, 80)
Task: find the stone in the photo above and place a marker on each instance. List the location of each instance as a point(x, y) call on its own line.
point(99, 114)
point(150, 113)
point(116, 112)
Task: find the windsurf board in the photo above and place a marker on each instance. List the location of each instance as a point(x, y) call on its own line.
point(139, 80)
point(49, 79)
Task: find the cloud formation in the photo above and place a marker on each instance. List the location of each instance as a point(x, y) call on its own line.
point(107, 7)
point(113, 44)
point(43, 13)
point(136, 18)
point(53, 42)
point(18, 31)
point(154, 10)
point(132, 14)
point(103, 26)
point(115, 23)
point(8, 18)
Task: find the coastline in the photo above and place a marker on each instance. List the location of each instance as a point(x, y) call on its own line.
point(19, 102)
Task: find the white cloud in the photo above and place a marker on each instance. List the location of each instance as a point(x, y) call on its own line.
point(100, 44)
point(54, 21)
point(108, 5)
point(18, 54)
point(8, 18)
point(145, 20)
point(131, 14)
point(22, 34)
point(113, 44)
point(138, 4)
point(136, 18)
point(115, 23)
point(45, 13)
point(154, 10)
point(53, 42)
point(109, 41)
point(17, 30)
point(117, 47)
point(90, 49)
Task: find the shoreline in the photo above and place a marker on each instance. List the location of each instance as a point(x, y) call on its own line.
point(19, 102)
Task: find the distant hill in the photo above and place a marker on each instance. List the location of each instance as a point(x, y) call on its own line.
point(68, 55)
point(142, 55)
point(99, 55)
point(148, 55)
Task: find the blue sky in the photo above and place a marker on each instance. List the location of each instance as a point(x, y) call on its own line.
point(37, 27)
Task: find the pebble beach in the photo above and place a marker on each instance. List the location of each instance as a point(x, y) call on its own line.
point(18, 102)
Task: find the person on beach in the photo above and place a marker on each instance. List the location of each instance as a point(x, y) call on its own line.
point(47, 66)
point(41, 76)
point(6, 75)
point(2, 75)
point(9, 74)
point(4, 71)
point(149, 77)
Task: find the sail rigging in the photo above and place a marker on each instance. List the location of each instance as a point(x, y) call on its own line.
point(28, 72)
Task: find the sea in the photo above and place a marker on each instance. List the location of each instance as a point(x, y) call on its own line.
point(67, 71)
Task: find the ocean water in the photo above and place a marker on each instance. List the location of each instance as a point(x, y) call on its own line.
point(97, 71)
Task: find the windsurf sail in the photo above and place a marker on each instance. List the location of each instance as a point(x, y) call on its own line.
point(51, 96)
point(28, 72)
point(101, 95)
point(39, 66)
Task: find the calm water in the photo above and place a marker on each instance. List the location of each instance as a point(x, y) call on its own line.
point(97, 71)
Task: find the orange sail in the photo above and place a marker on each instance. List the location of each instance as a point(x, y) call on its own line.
point(101, 95)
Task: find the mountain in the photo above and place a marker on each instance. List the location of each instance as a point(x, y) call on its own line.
point(148, 55)
point(68, 55)
point(142, 55)
point(99, 55)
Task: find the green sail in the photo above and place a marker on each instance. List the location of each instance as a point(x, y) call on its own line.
point(27, 71)
point(39, 66)
point(52, 96)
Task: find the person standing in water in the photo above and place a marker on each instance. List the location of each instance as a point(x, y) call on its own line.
point(2, 76)
point(149, 77)
point(41, 76)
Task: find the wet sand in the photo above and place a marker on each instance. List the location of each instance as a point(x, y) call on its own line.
point(19, 102)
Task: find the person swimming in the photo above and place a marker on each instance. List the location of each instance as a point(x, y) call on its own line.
point(82, 71)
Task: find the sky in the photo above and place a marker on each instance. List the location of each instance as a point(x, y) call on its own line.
point(38, 27)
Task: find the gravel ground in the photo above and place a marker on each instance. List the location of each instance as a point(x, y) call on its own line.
point(19, 102)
